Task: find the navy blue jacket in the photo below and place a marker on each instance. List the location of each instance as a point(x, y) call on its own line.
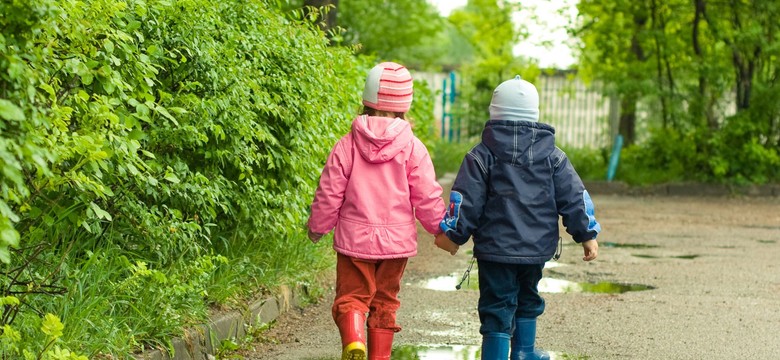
point(510, 191)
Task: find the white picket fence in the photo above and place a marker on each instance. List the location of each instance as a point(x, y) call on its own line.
point(580, 114)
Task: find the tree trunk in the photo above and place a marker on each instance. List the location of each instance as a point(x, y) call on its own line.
point(627, 126)
point(745, 70)
point(628, 102)
point(701, 106)
point(659, 68)
point(744, 62)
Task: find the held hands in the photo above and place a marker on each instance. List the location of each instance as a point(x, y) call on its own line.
point(444, 243)
point(314, 237)
point(591, 249)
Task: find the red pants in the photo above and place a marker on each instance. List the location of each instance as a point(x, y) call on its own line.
point(369, 286)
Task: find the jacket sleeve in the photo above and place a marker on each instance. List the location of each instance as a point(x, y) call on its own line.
point(467, 199)
point(330, 192)
point(425, 191)
point(574, 203)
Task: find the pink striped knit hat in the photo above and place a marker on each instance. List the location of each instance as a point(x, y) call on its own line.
point(388, 88)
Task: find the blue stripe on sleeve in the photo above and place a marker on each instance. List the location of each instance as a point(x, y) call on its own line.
point(593, 225)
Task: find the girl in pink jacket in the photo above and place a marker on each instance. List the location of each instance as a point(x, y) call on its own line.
point(378, 180)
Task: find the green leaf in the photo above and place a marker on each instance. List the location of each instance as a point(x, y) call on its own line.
point(9, 236)
point(100, 213)
point(172, 177)
point(11, 334)
point(10, 111)
point(109, 46)
point(165, 113)
point(5, 255)
point(49, 90)
point(52, 326)
point(83, 95)
point(9, 300)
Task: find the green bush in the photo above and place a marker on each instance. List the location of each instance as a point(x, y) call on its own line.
point(668, 156)
point(421, 113)
point(741, 157)
point(590, 163)
point(149, 149)
point(447, 156)
point(732, 155)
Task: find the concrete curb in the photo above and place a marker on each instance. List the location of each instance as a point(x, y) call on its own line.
point(682, 189)
point(202, 342)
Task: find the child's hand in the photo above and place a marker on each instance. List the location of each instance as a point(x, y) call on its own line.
point(591, 249)
point(444, 243)
point(314, 237)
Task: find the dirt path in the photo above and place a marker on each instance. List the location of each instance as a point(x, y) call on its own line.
point(713, 265)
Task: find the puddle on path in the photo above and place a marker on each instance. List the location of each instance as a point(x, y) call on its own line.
point(625, 245)
point(646, 256)
point(452, 352)
point(549, 285)
point(450, 282)
point(546, 285)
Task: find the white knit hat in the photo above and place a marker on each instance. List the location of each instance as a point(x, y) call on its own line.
point(515, 100)
point(389, 87)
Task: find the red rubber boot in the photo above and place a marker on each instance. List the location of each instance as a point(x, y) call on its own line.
point(380, 343)
point(353, 340)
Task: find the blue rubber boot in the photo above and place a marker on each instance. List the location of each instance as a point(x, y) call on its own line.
point(495, 346)
point(523, 341)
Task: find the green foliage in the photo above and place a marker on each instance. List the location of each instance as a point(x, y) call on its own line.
point(142, 143)
point(49, 348)
point(447, 156)
point(741, 158)
point(666, 157)
point(697, 72)
point(490, 31)
point(421, 113)
point(591, 164)
point(393, 30)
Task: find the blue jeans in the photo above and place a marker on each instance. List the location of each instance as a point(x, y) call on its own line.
point(507, 291)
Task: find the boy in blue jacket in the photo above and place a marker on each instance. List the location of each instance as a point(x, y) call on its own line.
point(508, 195)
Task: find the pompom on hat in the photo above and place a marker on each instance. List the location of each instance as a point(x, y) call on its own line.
point(515, 100)
point(389, 87)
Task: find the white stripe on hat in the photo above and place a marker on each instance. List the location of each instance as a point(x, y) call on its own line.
point(396, 88)
point(404, 74)
point(397, 101)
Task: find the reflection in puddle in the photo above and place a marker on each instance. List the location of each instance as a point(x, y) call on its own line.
point(552, 264)
point(449, 283)
point(624, 245)
point(442, 283)
point(548, 285)
point(452, 352)
point(646, 256)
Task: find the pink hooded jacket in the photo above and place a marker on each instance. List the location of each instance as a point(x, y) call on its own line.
point(377, 179)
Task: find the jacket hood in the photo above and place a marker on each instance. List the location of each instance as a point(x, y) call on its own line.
point(379, 139)
point(519, 142)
